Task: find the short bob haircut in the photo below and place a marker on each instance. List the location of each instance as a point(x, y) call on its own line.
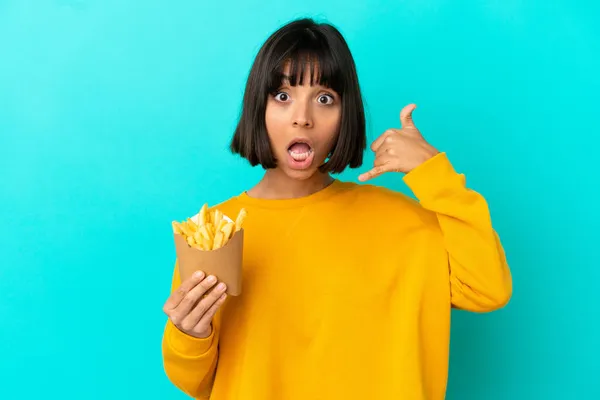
point(303, 43)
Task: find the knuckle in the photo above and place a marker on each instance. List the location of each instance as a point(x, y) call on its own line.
point(208, 317)
point(187, 301)
point(210, 312)
point(218, 302)
point(201, 329)
point(200, 309)
point(186, 325)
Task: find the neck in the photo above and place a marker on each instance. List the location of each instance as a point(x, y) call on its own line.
point(275, 184)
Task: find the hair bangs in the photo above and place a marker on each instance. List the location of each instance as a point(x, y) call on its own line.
point(308, 58)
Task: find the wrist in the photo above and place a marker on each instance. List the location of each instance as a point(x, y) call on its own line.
point(427, 153)
point(186, 344)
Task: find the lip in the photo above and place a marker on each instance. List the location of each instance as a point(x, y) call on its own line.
point(300, 165)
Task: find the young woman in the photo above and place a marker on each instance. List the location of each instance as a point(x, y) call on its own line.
point(348, 287)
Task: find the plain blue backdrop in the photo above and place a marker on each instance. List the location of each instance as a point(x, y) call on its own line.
point(115, 118)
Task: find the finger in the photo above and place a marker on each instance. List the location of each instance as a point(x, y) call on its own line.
point(382, 158)
point(194, 316)
point(206, 319)
point(406, 118)
point(375, 172)
point(177, 296)
point(381, 139)
point(192, 298)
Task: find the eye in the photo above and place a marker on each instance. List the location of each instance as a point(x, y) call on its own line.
point(325, 99)
point(282, 96)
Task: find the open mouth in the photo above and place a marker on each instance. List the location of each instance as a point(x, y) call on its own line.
point(300, 150)
point(301, 154)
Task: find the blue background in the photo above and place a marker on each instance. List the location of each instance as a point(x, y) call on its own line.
point(115, 117)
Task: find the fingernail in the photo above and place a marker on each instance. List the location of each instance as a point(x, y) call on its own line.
point(221, 286)
point(198, 274)
point(211, 279)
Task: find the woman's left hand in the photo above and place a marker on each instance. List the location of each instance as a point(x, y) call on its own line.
point(400, 150)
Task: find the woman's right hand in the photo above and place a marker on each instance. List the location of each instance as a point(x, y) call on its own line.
point(193, 305)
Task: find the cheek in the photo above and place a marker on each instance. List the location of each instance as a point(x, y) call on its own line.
point(330, 125)
point(274, 122)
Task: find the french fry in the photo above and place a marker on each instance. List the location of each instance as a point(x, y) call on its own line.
point(218, 243)
point(190, 240)
point(186, 230)
point(202, 215)
point(227, 230)
point(177, 228)
point(191, 225)
point(221, 224)
point(239, 221)
point(206, 244)
point(218, 216)
point(210, 229)
point(206, 232)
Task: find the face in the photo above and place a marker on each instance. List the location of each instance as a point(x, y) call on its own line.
point(302, 122)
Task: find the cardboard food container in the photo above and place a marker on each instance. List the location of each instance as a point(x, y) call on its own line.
point(225, 263)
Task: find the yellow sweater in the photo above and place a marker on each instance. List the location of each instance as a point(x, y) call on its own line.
point(347, 293)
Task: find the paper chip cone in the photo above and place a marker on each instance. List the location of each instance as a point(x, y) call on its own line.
point(224, 263)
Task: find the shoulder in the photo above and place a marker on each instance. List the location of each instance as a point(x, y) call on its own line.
point(391, 204)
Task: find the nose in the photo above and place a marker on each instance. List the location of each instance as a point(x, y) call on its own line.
point(302, 117)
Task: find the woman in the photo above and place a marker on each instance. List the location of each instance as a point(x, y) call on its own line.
point(348, 287)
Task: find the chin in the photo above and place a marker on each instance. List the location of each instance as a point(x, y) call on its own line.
point(301, 175)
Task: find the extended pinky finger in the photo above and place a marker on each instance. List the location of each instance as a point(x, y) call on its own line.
point(206, 319)
point(375, 172)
